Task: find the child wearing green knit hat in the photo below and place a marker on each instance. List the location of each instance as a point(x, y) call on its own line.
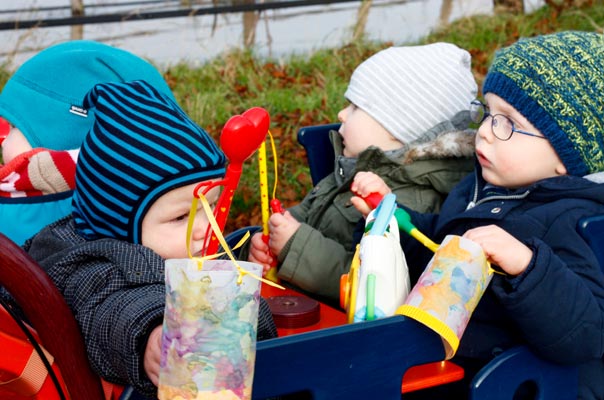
point(556, 82)
point(540, 163)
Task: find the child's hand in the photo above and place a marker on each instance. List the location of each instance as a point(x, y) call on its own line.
point(501, 248)
point(366, 182)
point(259, 252)
point(282, 227)
point(360, 205)
point(152, 355)
point(363, 185)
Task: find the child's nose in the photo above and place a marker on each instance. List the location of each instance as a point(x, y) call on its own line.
point(342, 115)
point(200, 226)
point(485, 132)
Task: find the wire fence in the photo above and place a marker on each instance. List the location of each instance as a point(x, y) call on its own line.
point(301, 28)
point(147, 13)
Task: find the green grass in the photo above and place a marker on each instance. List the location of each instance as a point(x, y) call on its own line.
point(308, 90)
point(482, 35)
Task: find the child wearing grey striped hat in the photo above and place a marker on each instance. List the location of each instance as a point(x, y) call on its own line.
point(135, 177)
point(409, 90)
point(408, 122)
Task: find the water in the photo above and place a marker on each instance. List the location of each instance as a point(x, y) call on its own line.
point(278, 33)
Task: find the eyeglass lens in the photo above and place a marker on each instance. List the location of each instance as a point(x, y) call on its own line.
point(501, 126)
point(477, 111)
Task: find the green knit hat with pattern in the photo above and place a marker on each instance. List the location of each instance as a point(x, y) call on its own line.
point(556, 81)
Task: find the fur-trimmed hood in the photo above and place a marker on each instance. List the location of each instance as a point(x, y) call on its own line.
point(458, 143)
point(447, 144)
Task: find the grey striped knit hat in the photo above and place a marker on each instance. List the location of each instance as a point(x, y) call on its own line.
point(140, 146)
point(410, 90)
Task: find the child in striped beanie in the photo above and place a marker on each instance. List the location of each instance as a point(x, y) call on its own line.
point(136, 173)
point(540, 161)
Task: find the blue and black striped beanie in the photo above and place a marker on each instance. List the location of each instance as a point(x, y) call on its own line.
point(556, 81)
point(140, 146)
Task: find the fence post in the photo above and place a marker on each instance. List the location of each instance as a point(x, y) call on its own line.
point(515, 6)
point(77, 10)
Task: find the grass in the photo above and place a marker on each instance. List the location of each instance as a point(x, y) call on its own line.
point(308, 90)
point(482, 35)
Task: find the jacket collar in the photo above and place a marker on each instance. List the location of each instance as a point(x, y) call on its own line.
point(565, 186)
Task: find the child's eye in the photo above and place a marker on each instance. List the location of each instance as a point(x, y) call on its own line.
point(182, 217)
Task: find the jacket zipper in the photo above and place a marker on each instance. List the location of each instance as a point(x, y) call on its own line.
point(476, 202)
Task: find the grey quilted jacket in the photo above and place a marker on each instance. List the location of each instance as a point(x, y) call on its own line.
point(116, 292)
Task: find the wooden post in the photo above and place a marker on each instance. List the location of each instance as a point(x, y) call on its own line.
point(77, 10)
point(514, 6)
point(445, 12)
point(250, 22)
point(361, 23)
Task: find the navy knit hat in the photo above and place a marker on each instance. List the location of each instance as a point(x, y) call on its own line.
point(140, 146)
point(556, 82)
point(43, 98)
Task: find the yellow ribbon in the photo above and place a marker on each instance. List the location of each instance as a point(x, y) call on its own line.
point(275, 163)
point(208, 210)
point(272, 272)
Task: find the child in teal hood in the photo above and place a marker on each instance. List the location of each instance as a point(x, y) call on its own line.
point(46, 123)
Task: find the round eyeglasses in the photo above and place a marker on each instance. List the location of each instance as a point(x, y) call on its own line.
point(501, 125)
